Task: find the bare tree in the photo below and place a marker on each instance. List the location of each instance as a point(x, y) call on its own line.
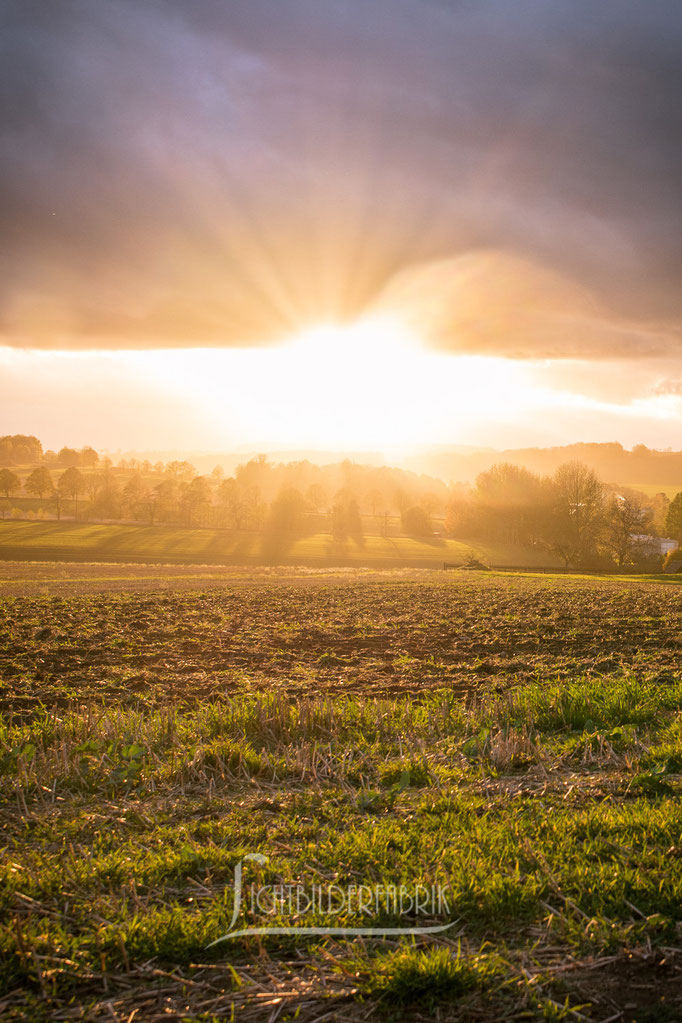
point(576, 514)
point(509, 503)
point(625, 519)
point(57, 502)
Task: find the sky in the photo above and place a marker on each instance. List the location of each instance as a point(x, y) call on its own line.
point(340, 224)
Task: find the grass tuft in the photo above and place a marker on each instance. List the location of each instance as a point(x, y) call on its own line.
point(410, 975)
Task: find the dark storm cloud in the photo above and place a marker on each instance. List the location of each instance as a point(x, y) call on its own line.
point(209, 172)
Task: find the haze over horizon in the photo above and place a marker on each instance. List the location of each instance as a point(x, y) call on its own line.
point(342, 226)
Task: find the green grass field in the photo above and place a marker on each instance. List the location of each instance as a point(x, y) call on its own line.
point(74, 541)
point(515, 740)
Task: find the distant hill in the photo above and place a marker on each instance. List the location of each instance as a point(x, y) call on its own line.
point(612, 462)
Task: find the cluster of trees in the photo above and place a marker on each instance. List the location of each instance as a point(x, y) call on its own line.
point(20, 449)
point(39, 484)
point(344, 499)
point(570, 513)
point(107, 496)
point(258, 493)
point(85, 457)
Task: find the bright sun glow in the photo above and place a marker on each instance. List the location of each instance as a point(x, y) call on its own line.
point(365, 385)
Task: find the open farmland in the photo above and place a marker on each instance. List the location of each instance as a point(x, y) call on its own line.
point(517, 738)
point(377, 634)
point(69, 541)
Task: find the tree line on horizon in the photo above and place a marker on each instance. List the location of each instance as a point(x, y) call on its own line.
point(571, 513)
point(610, 461)
point(259, 496)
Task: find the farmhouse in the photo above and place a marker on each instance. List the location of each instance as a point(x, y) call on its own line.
point(660, 544)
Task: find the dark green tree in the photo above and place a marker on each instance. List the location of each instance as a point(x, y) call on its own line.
point(673, 518)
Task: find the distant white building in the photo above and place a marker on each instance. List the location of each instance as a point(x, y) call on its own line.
point(658, 544)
